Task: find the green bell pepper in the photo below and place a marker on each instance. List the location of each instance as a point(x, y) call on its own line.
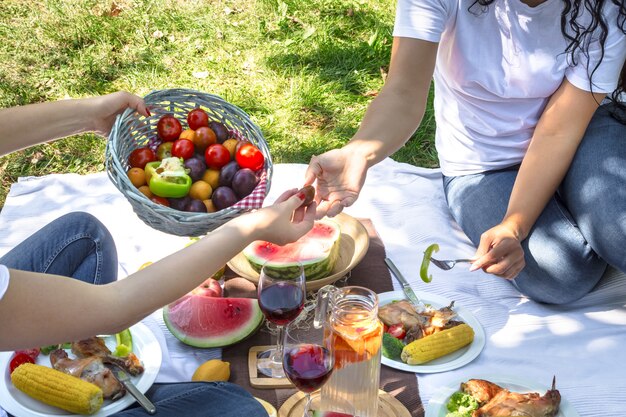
point(426, 261)
point(168, 178)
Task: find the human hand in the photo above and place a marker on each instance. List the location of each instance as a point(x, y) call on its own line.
point(104, 109)
point(283, 222)
point(340, 176)
point(499, 252)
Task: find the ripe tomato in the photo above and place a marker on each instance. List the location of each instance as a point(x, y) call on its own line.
point(183, 148)
point(20, 358)
point(216, 156)
point(169, 128)
point(140, 157)
point(249, 156)
point(204, 138)
point(33, 353)
point(397, 331)
point(160, 200)
point(197, 118)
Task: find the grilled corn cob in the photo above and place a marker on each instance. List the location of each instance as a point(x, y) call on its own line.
point(57, 388)
point(438, 344)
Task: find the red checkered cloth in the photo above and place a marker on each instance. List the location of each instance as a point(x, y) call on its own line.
point(255, 199)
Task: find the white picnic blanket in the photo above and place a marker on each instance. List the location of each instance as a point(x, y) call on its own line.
point(582, 344)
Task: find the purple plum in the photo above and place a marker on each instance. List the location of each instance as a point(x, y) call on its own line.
point(196, 166)
point(227, 173)
point(179, 203)
point(196, 206)
point(221, 132)
point(223, 197)
point(244, 182)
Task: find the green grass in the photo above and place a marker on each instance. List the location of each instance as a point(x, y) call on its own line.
point(303, 70)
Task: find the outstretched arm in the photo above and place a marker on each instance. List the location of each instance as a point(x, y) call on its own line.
point(389, 122)
point(43, 122)
point(40, 310)
point(555, 140)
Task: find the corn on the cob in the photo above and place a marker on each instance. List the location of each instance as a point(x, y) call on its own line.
point(438, 344)
point(57, 388)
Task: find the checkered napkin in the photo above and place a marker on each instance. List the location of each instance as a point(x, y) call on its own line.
point(255, 199)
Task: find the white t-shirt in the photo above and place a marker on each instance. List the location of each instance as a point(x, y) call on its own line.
point(4, 280)
point(495, 72)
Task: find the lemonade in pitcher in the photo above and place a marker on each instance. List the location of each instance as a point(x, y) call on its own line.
point(354, 333)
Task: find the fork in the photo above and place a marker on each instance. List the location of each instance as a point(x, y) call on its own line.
point(448, 264)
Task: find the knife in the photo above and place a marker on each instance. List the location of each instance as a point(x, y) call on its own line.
point(408, 291)
point(123, 377)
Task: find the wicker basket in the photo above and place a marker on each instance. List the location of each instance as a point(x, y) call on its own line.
point(132, 131)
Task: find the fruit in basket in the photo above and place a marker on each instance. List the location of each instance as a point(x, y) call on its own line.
point(197, 118)
point(216, 156)
point(244, 181)
point(223, 197)
point(231, 145)
point(221, 132)
point(196, 167)
point(140, 157)
point(183, 148)
point(203, 138)
point(164, 150)
point(169, 128)
point(317, 251)
point(249, 156)
point(195, 206)
point(137, 176)
point(200, 190)
point(227, 173)
point(212, 177)
point(202, 321)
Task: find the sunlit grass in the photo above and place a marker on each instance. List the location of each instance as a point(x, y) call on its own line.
point(304, 71)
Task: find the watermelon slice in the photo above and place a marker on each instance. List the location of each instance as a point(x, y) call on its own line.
point(318, 413)
point(317, 251)
point(204, 321)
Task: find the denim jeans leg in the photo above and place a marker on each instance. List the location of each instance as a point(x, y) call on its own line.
point(560, 265)
point(594, 188)
point(75, 245)
point(199, 399)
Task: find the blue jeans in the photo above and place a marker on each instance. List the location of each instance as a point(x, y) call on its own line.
point(75, 245)
point(78, 245)
point(583, 226)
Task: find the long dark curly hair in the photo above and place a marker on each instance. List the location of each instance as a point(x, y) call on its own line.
point(580, 36)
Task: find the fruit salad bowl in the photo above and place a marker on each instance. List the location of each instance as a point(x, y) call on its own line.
point(132, 132)
point(353, 245)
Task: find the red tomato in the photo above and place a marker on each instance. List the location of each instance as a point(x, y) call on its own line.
point(216, 156)
point(19, 358)
point(397, 331)
point(160, 200)
point(249, 156)
point(183, 148)
point(169, 128)
point(140, 157)
point(197, 118)
point(33, 353)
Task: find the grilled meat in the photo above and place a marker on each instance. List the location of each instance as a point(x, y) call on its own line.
point(90, 369)
point(481, 390)
point(95, 346)
point(417, 324)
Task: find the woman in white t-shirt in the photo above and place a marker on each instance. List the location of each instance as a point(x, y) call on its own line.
point(47, 291)
point(534, 184)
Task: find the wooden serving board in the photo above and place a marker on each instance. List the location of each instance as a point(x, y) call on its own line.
point(261, 381)
point(388, 406)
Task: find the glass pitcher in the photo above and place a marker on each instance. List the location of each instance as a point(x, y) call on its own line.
point(354, 333)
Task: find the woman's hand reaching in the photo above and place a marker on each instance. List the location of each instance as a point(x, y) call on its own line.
point(340, 175)
point(500, 252)
point(105, 109)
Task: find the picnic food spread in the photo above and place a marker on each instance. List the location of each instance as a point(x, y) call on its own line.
point(482, 398)
point(205, 168)
point(417, 337)
point(80, 384)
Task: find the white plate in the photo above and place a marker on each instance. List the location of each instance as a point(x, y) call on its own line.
point(437, 404)
point(145, 346)
point(448, 362)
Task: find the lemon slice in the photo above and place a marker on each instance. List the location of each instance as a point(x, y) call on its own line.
point(268, 407)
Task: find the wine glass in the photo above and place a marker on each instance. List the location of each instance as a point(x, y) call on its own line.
point(281, 293)
point(307, 361)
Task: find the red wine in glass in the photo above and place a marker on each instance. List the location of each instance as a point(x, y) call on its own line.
point(307, 366)
point(281, 302)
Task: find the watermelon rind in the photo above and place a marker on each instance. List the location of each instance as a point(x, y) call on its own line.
point(314, 268)
point(199, 321)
